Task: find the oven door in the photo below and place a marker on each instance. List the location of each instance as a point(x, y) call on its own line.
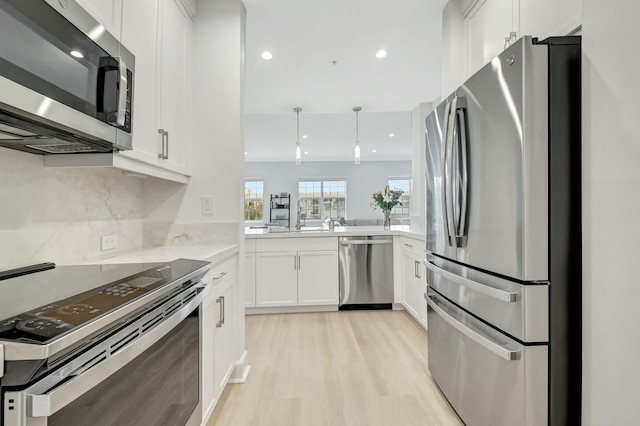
point(73, 79)
point(146, 373)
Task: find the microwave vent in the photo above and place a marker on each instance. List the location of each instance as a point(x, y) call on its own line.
point(67, 148)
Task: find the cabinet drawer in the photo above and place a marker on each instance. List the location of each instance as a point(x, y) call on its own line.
point(415, 247)
point(489, 379)
point(297, 244)
point(223, 271)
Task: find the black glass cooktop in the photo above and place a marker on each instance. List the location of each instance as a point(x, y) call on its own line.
point(42, 306)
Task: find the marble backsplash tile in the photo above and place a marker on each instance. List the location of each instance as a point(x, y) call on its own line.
point(172, 234)
point(59, 215)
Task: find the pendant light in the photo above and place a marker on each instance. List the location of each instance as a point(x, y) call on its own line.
point(357, 150)
point(298, 156)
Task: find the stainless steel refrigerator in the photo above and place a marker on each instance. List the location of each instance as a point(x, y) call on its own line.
point(504, 238)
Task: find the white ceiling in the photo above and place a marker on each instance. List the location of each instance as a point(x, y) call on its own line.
point(330, 137)
point(305, 36)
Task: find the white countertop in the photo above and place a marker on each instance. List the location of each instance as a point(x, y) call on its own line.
point(213, 253)
point(341, 231)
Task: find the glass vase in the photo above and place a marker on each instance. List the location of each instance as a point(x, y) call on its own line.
point(387, 219)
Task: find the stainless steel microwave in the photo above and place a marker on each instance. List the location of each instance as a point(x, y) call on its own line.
point(66, 84)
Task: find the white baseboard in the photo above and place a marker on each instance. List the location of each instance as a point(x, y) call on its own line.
point(240, 371)
point(290, 309)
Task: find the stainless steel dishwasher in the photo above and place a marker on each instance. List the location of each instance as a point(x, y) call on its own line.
point(366, 272)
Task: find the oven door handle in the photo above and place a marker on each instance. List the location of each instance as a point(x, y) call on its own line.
point(48, 403)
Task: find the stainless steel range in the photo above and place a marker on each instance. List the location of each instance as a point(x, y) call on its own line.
point(77, 341)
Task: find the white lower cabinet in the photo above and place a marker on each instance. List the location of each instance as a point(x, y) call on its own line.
point(249, 277)
point(317, 278)
point(297, 277)
point(415, 285)
point(218, 328)
point(276, 279)
point(223, 338)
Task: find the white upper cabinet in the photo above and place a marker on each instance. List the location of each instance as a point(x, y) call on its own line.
point(488, 24)
point(173, 47)
point(139, 32)
point(545, 18)
point(474, 31)
point(158, 34)
point(107, 12)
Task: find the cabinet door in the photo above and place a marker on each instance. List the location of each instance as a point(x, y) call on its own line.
point(139, 35)
point(276, 279)
point(249, 276)
point(223, 340)
point(488, 25)
point(414, 287)
point(107, 12)
point(317, 278)
point(209, 319)
point(173, 47)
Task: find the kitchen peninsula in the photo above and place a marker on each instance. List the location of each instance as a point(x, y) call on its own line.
point(298, 271)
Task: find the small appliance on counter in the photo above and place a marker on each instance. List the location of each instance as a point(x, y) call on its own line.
point(76, 341)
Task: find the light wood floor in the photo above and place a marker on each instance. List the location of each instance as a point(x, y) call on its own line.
point(339, 368)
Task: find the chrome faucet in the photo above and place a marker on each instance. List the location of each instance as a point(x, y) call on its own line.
point(298, 227)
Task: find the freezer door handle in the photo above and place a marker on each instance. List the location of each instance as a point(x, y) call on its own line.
point(484, 288)
point(492, 346)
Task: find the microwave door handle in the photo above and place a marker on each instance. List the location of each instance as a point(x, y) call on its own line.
point(462, 176)
point(443, 196)
point(122, 93)
point(448, 173)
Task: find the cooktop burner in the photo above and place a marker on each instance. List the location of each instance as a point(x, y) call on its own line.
point(69, 297)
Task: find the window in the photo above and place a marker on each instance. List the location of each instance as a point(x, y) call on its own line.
point(322, 198)
point(404, 184)
point(253, 199)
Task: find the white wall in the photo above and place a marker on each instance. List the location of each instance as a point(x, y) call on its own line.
point(418, 165)
point(59, 215)
point(362, 180)
point(611, 178)
point(216, 109)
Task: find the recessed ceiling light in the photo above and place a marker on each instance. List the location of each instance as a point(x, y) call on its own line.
point(373, 150)
point(391, 135)
point(304, 136)
point(77, 54)
point(306, 153)
point(266, 55)
point(245, 153)
point(381, 54)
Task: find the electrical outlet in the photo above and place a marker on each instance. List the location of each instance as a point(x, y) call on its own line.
point(206, 205)
point(109, 242)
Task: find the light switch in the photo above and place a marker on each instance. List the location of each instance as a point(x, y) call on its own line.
point(207, 205)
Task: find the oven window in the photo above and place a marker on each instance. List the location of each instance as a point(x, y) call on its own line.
point(159, 387)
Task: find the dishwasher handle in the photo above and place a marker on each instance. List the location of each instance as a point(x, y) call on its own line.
point(364, 242)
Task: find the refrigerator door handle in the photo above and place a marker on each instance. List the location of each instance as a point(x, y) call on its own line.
point(494, 347)
point(448, 172)
point(443, 196)
point(486, 289)
point(461, 172)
